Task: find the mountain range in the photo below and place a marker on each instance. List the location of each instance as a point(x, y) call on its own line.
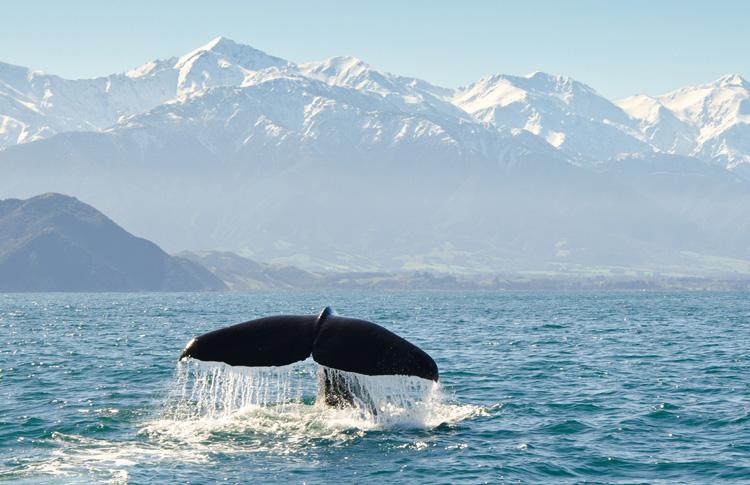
point(337, 165)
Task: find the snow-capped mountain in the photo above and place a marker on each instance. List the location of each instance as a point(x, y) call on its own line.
point(282, 114)
point(34, 105)
point(337, 164)
point(406, 94)
point(566, 113)
point(711, 121)
point(221, 62)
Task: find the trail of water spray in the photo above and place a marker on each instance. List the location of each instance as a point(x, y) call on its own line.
point(213, 390)
point(384, 399)
point(216, 391)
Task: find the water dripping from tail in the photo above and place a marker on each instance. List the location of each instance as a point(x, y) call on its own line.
point(208, 390)
point(384, 400)
point(288, 397)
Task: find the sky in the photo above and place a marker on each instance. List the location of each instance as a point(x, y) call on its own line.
point(619, 48)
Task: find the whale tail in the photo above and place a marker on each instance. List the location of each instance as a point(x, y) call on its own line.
point(341, 343)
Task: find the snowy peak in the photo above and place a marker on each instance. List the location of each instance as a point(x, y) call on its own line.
point(404, 93)
point(337, 69)
point(566, 113)
point(220, 45)
point(711, 121)
point(219, 53)
point(732, 80)
point(221, 62)
point(231, 52)
point(563, 86)
point(151, 68)
point(541, 83)
point(709, 103)
point(34, 105)
point(354, 73)
point(502, 90)
point(489, 92)
point(659, 125)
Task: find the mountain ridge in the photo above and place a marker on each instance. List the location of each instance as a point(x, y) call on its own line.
point(563, 112)
point(338, 165)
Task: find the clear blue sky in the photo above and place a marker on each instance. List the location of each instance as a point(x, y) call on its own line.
point(619, 48)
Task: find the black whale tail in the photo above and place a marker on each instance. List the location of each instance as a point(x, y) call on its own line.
point(341, 343)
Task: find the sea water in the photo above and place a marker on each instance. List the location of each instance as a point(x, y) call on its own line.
point(534, 388)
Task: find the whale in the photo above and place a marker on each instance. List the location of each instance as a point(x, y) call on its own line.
point(336, 343)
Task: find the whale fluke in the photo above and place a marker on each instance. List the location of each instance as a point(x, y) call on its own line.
point(341, 343)
point(363, 347)
point(269, 341)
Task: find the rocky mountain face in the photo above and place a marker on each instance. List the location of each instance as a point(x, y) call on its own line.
point(54, 242)
point(336, 165)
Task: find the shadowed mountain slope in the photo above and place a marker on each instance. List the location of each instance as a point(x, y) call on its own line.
point(53, 242)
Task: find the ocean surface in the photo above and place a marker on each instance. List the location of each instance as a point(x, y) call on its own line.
point(534, 388)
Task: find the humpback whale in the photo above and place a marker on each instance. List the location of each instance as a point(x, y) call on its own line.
point(336, 343)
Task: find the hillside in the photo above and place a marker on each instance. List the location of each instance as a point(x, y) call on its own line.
point(54, 242)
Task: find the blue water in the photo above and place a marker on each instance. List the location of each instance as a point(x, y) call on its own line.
point(535, 388)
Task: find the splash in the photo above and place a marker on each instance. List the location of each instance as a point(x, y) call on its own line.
point(214, 397)
point(213, 410)
point(215, 390)
point(385, 400)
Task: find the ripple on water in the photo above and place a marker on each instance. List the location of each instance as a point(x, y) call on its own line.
point(535, 388)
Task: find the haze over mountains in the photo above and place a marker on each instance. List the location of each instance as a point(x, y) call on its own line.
point(337, 165)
